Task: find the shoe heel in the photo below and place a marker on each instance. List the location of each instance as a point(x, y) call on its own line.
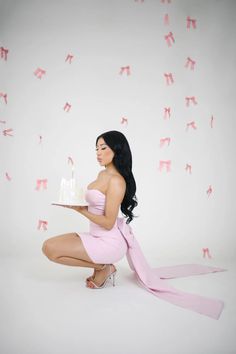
point(112, 275)
point(113, 279)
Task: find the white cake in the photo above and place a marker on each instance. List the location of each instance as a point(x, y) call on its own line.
point(71, 193)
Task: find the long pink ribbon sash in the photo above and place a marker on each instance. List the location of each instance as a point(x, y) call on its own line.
point(153, 279)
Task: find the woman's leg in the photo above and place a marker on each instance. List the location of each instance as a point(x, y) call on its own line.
point(68, 249)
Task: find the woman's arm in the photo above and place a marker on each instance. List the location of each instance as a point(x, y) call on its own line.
point(114, 196)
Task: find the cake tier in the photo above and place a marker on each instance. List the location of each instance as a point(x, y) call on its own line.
point(71, 192)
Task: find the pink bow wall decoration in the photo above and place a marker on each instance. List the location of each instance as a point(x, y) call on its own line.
point(41, 183)
point(169, 39)
point(166, 20)
point(164, 140)
point(211, 122)
point(69, 58)
point(67, 107)
point(3, 53)
point(125, 69)
point(42, 224)
point(7, 132)
point(4, 95)
point(191, 21)
point(188, 168)
point(8, 177)
point(3, 121)
point(188, 99)
point(169, 78)
point(209, 191)
point(206, 252)
point(166, 112)
point(39, 73)
point(166, 164)
point(190, 63)
point(124, 121)
point(191, 124)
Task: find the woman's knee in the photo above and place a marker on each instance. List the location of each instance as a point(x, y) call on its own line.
point(48, 249)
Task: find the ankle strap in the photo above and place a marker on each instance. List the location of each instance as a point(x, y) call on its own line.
point(103, 267)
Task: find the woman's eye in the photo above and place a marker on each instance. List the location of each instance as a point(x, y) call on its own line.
point(101, 149)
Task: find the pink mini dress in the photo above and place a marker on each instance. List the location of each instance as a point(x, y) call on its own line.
point(102, 245)
point(109, 246)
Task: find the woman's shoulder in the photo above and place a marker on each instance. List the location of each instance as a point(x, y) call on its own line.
point(117, 181)
point(113, 177)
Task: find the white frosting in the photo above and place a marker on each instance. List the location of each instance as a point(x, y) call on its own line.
point(70, 192)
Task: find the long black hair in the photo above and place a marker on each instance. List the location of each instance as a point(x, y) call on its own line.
point(122, 160)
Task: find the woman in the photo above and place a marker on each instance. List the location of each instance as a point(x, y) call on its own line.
point(114, 187)
point(110, 237)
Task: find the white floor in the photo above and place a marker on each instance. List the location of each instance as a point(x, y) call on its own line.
point(46, 308)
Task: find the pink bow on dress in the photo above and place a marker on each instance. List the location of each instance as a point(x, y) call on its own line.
point(153, 279)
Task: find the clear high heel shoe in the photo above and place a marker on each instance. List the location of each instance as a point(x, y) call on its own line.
point(91, 277)
point(110, 275)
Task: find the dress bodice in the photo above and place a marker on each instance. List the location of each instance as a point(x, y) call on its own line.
point(96, 200)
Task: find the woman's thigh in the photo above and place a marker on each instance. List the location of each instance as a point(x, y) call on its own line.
point(66, 245)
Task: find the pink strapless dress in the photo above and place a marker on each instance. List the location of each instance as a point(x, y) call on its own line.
point(109, 246)
point(102, 245)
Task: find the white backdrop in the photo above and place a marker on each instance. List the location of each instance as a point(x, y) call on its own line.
point(179, 214)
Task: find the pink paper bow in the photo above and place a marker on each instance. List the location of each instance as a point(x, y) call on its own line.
point(169, 39)
point(124, 120)
point(3, 53)
point(191, 21)
point(39, 73)
point(125, 69)
point(191, 63)
point(188, 168)
point(67, 107)
point(169, 78)
point(188, 99)
point(69, 58)
point(164, 140)
point(166, 19)
point(41, 182)
point(7, 132)
point(43, 224)
point(4, 95)
point(211, 123)
point(8, 177)
point(192, 125)
point(166, 163)
point(166, 112)
point(206, 252)
point(209, 191)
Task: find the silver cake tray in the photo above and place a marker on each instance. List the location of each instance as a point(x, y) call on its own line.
point(72, 204)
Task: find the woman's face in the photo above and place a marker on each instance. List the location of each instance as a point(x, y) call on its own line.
point(104, 153)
